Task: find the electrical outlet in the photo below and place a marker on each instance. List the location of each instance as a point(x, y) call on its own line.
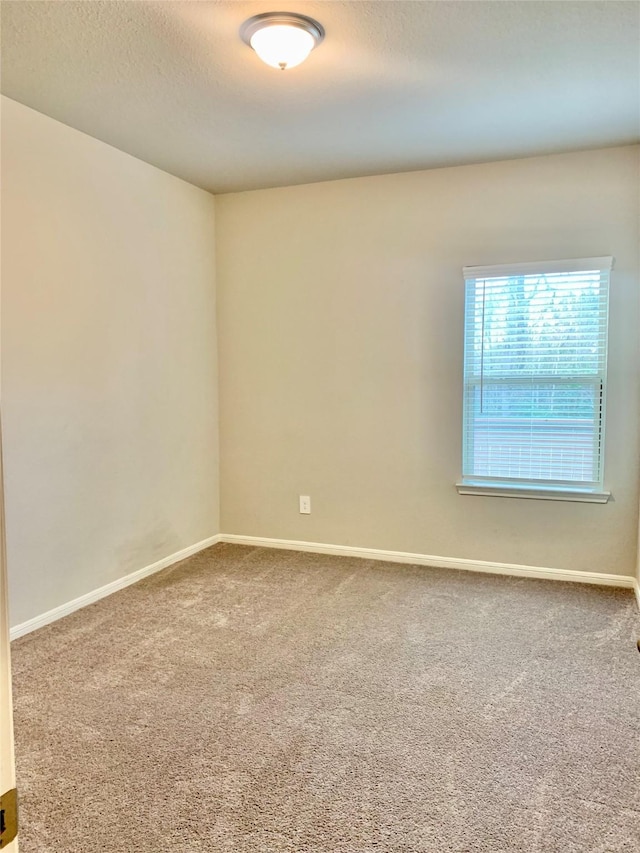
point(305, 504)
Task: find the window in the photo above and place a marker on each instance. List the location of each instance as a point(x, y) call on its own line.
point(535, 366)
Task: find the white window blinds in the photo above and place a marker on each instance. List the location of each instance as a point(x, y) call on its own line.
point(535, 374)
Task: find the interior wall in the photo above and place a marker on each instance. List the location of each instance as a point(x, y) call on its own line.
point(109, 362)
point(341, 343)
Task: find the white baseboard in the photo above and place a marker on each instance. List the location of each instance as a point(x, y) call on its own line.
point(108, 589)
point(436, 562)
point(337, 550)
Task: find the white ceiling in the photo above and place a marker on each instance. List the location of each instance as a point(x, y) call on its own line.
point(395, 85)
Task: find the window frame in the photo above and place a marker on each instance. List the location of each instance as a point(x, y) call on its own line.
point(545, 489)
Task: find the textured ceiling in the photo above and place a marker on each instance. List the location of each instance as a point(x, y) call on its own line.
point(394, 86)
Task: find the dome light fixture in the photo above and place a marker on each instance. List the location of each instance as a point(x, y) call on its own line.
point(282, 39)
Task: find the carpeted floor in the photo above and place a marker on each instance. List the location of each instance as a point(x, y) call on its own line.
point(262, 701)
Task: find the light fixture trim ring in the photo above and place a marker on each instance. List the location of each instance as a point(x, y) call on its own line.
point(292, 19)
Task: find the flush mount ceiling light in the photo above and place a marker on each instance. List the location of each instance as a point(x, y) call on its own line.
point(282, 39)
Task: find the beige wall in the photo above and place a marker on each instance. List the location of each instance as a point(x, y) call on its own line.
point(109, 362)
point(340, 336)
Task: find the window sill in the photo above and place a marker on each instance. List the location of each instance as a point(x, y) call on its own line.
point(542, 493)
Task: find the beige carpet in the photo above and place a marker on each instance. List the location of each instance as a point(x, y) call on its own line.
point(252, 700)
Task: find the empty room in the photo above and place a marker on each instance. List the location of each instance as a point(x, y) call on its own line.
point(320, 426)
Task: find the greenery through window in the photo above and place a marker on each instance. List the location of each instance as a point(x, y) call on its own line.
point(535, 373)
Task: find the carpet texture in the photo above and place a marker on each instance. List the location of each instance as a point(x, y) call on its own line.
point(261, 701)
